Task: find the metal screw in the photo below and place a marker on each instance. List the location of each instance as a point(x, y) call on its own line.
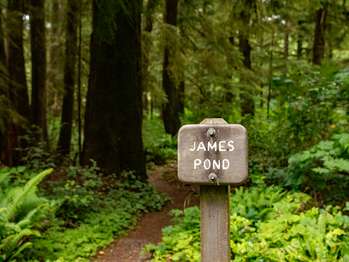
point(212, 177)
point(211, 132)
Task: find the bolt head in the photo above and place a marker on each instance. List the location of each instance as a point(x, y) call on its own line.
point(212, 177)
point(211, 131)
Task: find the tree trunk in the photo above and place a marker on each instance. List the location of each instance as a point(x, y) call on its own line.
point(38, 56)
point(4, 100)
point(170, 112)
point(181, 96)
point(71, 49)
point(299, 47)
point(319, 35)
point(18, 83)
point(246, 96)
point(18, 93)
point(147, 45)
point(55, 53)
point(247, 102)
point(286, 46)
point(113, 120)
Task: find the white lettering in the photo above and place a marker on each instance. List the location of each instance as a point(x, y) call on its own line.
point(212, 146)
point(231, 145)
point(216, 164)
point(197, 162)
point(225, 164)
point(207, 164)
point(192, 149)
point(222, 145)
point(201, 146)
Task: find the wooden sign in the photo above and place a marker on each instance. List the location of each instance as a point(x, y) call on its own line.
point(212, 153)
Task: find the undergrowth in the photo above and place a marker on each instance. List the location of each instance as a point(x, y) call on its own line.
point(71, 215)
point(267, 224)
point(110, 216)
point(322, 170)
point(159, 146)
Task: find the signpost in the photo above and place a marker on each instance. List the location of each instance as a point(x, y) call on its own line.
point(213, 154)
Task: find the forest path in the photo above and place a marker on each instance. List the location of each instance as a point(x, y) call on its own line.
point(148, 229)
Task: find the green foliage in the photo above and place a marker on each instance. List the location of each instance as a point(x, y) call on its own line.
point(76, 193)
point(267, 224)
point(181, 241)
point(21, 212)
point(324, 168)
point(109, 217)
point(308, 106)
point(158, 145)
point(35, 154)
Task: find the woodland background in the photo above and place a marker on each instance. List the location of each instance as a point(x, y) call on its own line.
point(97, 90)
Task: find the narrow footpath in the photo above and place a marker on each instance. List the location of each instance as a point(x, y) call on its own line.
point(148, 229)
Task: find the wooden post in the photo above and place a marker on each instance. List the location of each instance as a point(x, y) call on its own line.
point(214, 207)
point(215, 219)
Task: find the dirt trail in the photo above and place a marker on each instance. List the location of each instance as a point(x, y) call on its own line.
point(148, 229)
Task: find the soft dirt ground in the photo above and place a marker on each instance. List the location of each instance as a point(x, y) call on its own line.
point(148, 229)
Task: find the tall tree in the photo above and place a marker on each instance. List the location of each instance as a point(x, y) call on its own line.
point(170, 112)
point(4, 98)
point(38, 56)
point(16, 64)
point(113, 120)
point(319, 34)
point(247, 102)
point(148, 43)
point(71, 49)
point(18, 93)
point(55, 52)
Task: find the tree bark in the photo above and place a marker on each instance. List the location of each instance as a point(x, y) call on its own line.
point(181, 97)
point(71, 49)
point(113, 120)
point(286, 46)
point(17, 85)
point(147, 45)
point(55, 53)
point(16, 64)
point(38, 56)
point(5, 157)
point(170, 111)
point(319, 35)
point(247, 102)
point(299, 47)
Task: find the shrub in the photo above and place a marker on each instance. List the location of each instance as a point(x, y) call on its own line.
point(76, 191)
point(324, 168)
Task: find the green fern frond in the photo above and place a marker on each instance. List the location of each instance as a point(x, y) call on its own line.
point(20, 249)
point(12, 242)
point(20, 196)
point(27, 220)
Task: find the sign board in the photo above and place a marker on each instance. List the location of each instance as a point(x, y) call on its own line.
point(210, 153)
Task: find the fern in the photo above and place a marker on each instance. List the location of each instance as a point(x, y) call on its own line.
point(19, 197)
point(19, 209)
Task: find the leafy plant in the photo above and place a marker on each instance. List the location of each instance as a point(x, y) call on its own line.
point(21, 210)
point(158, 145)
point(108, 216)
point(267, 224)
point(324, 169)
point(76, 192)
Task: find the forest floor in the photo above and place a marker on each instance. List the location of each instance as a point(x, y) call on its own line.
point(148, 229)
